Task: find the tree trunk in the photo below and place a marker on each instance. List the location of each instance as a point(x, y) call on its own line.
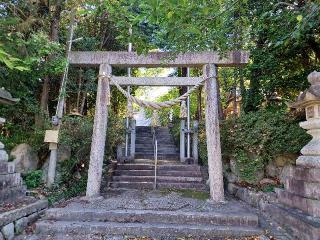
point(44, 97)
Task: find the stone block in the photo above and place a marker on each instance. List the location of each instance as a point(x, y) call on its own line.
point(1, 145)
point(3, 167)
point(12, 193)
point(10, 180)
point(303, 188)
point(15, 214)
point(8, 231)
point(3, 155)
point(232, 188)
point(304, 173)
point(251, 197)
point(285, 159)
point(309, 161)
point(1, 236)
point(20, 225)
point(25, 158)
point(309, 206)
point(11, 167)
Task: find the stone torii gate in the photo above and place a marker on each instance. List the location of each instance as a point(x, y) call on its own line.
point(209, 61)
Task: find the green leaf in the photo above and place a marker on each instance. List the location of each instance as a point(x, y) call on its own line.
point(299, 18)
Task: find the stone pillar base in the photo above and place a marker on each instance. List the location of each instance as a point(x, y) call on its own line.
point(302, 190)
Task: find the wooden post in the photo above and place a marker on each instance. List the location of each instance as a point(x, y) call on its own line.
point(213, 134)
point(99, 134)
point(182, 140)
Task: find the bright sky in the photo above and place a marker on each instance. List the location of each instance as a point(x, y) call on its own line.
point(152, 93)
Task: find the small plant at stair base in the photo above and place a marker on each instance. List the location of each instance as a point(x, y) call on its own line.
point(33, 179)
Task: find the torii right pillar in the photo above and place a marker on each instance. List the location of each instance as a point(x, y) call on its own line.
point(213, 134)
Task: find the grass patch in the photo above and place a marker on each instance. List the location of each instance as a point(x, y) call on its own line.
point(187, 193)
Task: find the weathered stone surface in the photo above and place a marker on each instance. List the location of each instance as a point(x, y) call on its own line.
point(152, 216)
point(6, 167)
point(25, 158)
point(154, 59)
point(285, 159)
point(150, 230)
point(303, 173)
point(232, 188)
point(309, 161)
point(1, 236)
point(10, 180)
point(3, 155)
point(301, 225)
point(233, 166)
point(20, 225)
point(11, 216)
point(310, 206)
point(251, 197)
point(12, 193)
point(231, 178)
point(268, 181)
point(303, 188)
point(1, 145)
point(156, 81)
point(3, 167)
point(272, 170)
point(64, 153)
point(286, 172)
point(8, 231)
point(99, 134)
point(213, 134)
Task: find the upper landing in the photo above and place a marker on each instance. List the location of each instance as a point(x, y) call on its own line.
point(158, 59)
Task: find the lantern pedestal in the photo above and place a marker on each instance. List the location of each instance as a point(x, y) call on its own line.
point(302, 183)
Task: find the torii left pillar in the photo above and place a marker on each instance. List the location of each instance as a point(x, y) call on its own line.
point(99, 134)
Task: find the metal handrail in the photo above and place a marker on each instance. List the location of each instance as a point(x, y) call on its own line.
point(155, 152)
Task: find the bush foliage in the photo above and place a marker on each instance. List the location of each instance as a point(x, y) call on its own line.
point(256, 138)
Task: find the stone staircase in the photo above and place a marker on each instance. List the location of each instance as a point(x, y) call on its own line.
point(167, 150)
point(103, 224)
point(171, 173)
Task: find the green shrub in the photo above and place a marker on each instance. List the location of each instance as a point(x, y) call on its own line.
point(33, 179)
point(256, 138)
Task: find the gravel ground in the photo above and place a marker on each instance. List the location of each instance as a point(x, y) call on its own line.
point(155, 200)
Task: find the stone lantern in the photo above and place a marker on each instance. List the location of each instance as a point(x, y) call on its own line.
point(310, 101)
point(10, 181)
point(302, 182)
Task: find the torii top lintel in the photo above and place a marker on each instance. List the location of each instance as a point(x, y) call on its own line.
point(158, 59)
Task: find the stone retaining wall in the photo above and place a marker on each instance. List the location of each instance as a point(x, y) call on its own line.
point(17, 220)
point(296, 222)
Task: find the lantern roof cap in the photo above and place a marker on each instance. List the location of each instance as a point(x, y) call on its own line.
point(311, 95)
point(6, 98)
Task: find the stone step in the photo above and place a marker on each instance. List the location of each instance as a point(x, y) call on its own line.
point(152, 216)
point(173, 167)
point(160, 185)
point(170, 179)
point(159, 173)
point(160, 152)
point(142, 229)
point(160, 156)
point(298, 224)
point(160, 162)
